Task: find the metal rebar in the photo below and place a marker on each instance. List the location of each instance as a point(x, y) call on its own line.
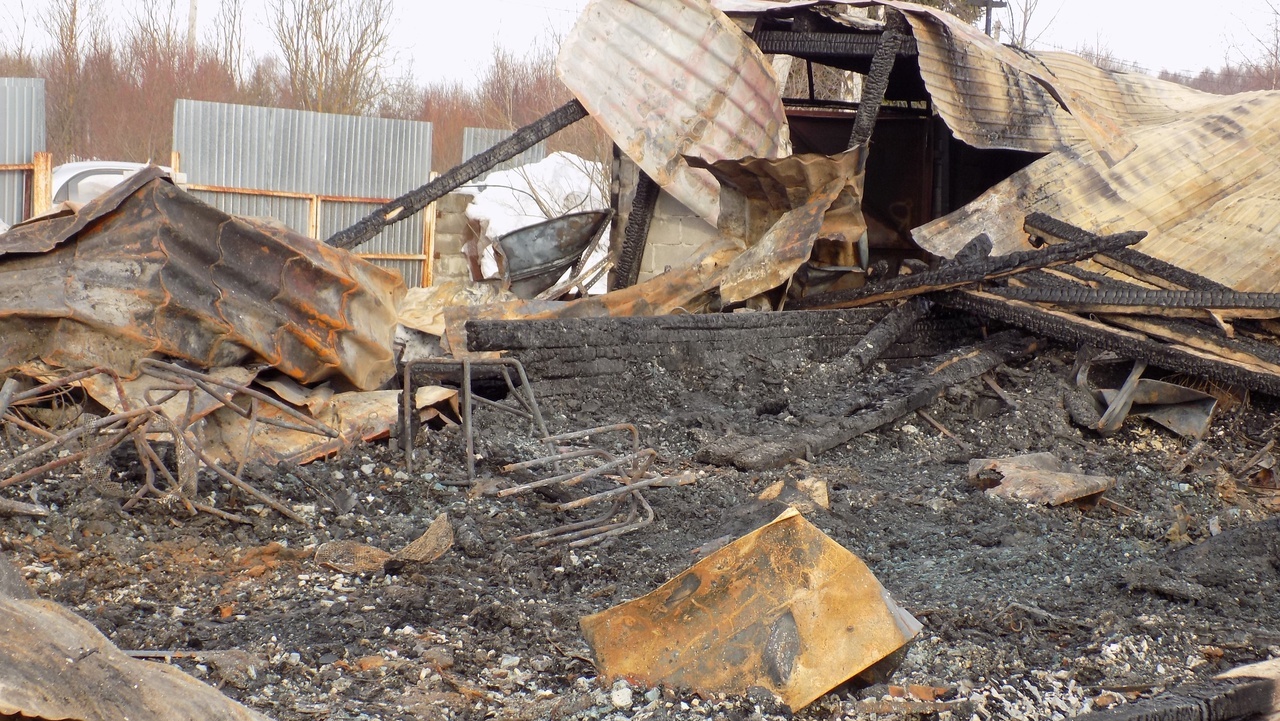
point(311, 425)
point(576, 477)
point(237, 482)
point(98, 425)
point(566, 456)
point(613, 510)
point(613, 532)
point(73, 458)
point(498, 406)
point(578, 435)
point(466, 419)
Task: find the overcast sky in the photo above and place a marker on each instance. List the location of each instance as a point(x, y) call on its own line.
point(452, 39)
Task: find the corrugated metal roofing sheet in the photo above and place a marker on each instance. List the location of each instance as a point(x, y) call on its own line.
point(1205, 187)
point(667, 78)
point(996, 96)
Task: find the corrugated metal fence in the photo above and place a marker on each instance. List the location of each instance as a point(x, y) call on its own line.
point(317, 173)
point(478, 140)
point(22, 136)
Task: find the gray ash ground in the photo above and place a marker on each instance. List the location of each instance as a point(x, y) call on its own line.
point(1028, 612)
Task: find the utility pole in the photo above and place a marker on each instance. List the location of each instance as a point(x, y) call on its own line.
point(191, 29)
point(990, 5)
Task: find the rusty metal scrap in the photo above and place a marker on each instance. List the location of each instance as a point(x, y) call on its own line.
point(1203, 185)
point(705, 90)
point(631, 471)
point(146, 269)
point(216, 421)
point(784, 608)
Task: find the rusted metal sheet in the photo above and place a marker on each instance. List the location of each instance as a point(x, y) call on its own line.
point(56, 665)
point(776, 209)
point(784, 608)
point(147, 269)
point(995, 96)
point(780, 208)
point(669, 78)
point(1205, 187)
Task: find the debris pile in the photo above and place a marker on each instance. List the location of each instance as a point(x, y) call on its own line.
point(963, 382)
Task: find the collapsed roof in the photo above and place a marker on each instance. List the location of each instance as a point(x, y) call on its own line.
point(1120, 151)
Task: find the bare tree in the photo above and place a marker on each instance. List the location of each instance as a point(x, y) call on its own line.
point(1023, 29)
point(1263, 61)
point(67, 23)
point(334, 51)
point(228, 29)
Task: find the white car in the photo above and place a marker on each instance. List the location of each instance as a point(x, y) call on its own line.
point(83, 181)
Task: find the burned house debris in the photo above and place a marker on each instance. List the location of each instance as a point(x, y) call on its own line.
point(943, 391)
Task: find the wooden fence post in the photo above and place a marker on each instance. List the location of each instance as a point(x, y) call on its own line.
point(41, 182)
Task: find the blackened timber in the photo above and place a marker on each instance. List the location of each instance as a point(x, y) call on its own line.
point(636, 234)
point(1126, 260)
point(1073, 329)
point(410, 203)
point(885, 333)
point(1242, 348)
point(1217, 700)
point(955, 275)
point(823, 47)
point(877, 82)
point(909, 391)
point(493, 335)
point(1099, 298)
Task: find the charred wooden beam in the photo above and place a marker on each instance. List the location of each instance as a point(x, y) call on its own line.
point(587, 347)
point(826, 46)
point(909, 391)
point(1074, 329)
point(1216, 700)
point(877, 83)
point(493, 335)
point(1131, 262)
point(636, 235)
point(1110, 299)
point(955, 275)
point(885, 333)
point(1202, 337)
point(406, 205)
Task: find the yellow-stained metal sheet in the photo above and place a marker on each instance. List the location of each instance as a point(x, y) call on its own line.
point(996, 96)
point(775, 210)
point(784, 607)
point(1205, 187)
point(423, 308)
point(670, 78)
point(780, 207)
point(357, 416)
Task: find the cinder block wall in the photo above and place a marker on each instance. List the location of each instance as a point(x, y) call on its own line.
point(452, 231)
point(674, 234)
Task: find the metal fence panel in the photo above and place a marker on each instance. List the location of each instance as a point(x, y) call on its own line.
point(294, 151)
point(22, 134)
point(298, 151)
point(478, 140)
point(293, 212)
point(403, 238)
